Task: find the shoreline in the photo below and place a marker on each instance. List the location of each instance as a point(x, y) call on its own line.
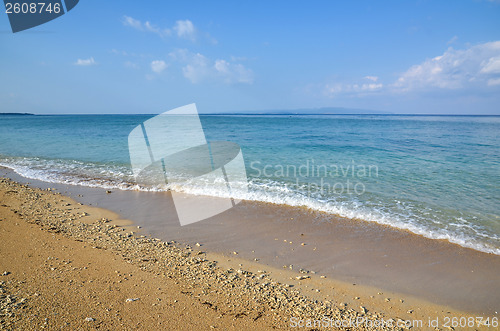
point(337, 294)
point(351, 251)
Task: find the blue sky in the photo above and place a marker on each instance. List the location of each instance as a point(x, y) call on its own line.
point(432, 57)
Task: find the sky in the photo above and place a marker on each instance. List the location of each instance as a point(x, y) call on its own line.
point(107, 57)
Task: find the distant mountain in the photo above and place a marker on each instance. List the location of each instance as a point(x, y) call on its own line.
point(17, 114)
point(311, 111)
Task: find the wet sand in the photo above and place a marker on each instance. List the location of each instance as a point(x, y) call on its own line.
point(396, 273)
point(348, 250)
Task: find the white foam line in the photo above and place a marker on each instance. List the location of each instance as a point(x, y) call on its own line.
point(264, 193)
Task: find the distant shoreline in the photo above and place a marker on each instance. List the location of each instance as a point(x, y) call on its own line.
point(265, 114)
point(17, 114)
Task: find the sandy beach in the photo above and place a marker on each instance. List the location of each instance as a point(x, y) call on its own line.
point(68, 264)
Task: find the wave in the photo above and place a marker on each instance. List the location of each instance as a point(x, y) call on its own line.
point(418, 219)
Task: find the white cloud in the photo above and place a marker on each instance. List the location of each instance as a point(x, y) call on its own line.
point(185, 29)
point(132, 22)
point(158, 66)
point(372, 78)
point(130, 64)
point(197, 68)
point(492, 66)
point(493, 81)
point(85, 62)
point(356, 89)
point(452, 40)
point(146, 26)
point(476, 66)
point(233, 73)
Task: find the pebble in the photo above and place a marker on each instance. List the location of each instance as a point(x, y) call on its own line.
point(302, 277)
point(131, 299)
point(89, 319)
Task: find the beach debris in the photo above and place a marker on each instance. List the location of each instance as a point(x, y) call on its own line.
point(302, 277)
point(322, 276)
point(131, 299)
point(387, 299)
point(356, 298)
point(409, 311)
point(363, 309)
point(302, 244)
point(235, 253)
point(89, 319)
point(109, 192)
point(198, 244)
point(5, 273)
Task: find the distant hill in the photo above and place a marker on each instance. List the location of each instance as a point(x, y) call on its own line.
point(310, 111)
point(17, 114)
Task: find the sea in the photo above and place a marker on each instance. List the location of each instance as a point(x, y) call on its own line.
point(435, 176)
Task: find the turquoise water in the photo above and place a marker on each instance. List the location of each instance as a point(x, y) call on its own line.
point(438, 176)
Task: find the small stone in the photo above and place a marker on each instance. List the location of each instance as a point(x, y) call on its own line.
point(109, 192)
point(198, 244)
point(89, 319)
point(387, 299)
point(235, 253)
point(131, 299)
point(5, 273)
point(409, 311)
point(356, 298)
point(322, 276)
point(363, 309)
point(302, 277)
